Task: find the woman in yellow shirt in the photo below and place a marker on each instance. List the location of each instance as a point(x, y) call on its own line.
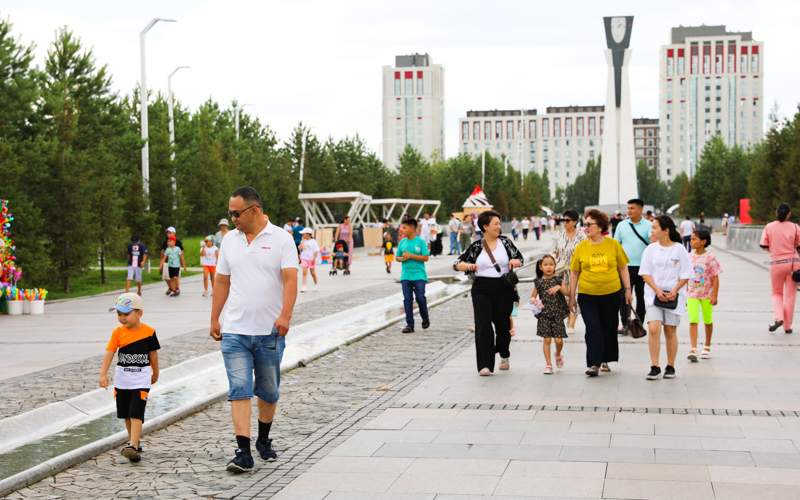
point(599, 269)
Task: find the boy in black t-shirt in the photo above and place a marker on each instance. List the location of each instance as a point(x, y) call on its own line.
point(137, 256)
point(137, 368)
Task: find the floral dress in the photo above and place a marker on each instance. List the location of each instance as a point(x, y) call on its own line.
point(551, 319)
point(563, 248)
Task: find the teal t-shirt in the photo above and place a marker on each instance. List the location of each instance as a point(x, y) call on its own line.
point(413, 270)
point(173, 256)
point(633, 246)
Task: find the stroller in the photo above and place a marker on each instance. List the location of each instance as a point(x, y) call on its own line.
point(340, 258)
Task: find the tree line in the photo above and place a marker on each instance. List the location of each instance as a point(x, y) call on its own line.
point(70, 164)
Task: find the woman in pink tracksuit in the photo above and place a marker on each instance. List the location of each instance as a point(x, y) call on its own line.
point(782, 238)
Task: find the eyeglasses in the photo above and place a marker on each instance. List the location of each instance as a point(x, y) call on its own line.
point(235, 214)
point(587, 224)
point(569, 220)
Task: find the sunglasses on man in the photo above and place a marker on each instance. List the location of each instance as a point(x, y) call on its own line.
point(235, 214)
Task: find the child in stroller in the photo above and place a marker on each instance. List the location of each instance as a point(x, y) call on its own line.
point(340, 261)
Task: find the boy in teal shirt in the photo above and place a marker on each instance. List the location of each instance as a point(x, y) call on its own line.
point(412, 252)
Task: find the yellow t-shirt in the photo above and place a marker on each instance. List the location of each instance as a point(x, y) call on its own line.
point(598, 264)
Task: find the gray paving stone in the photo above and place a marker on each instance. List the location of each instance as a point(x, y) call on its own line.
point(704, 457)
point(597, 454)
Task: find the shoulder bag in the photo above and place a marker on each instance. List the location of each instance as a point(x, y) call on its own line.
point(510, 278)
point(633, 228)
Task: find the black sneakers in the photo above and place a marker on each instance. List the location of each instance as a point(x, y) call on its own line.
point(655, 372)
point(426, 323)
point(407, 329)
point(266, 451)
point(669, 372)
point(242, 462)
point(774, 326)
point(132, 454)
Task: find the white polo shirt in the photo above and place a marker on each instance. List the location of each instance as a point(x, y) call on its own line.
point(256, 294)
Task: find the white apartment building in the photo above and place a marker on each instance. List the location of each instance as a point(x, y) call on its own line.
point(645, 141)
point(711, 82)
point(413, 108)
point(560, 141)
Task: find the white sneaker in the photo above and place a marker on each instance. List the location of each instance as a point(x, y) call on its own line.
point(205, 294)
point(304, 289)
point(706, 354)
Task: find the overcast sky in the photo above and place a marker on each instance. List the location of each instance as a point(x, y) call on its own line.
point(320, 61)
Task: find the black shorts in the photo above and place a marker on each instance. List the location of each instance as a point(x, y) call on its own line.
point(131, 402)
point(174, 272)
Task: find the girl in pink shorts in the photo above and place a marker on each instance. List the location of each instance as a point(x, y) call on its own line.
point(309, 252)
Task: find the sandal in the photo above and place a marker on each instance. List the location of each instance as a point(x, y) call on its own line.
point(692, 356)
point(604, 367)
point(548, 370)
point(706, 354)
point(485, 372)
point(774, 326)
point(560, 361)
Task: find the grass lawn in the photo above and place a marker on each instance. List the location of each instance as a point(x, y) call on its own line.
point(89, 283)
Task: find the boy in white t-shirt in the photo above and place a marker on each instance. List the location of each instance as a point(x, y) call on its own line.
point(208, 259)
point(309, 252)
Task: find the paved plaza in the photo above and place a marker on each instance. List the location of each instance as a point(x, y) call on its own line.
point(407, 417)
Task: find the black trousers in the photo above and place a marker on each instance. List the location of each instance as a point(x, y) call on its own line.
point(637, 283)
point(492, 301)
point(599, 313)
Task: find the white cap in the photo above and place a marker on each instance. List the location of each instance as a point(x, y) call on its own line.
point(171, 229)
point(127, 302)
point(223, 222)
point(307, 230)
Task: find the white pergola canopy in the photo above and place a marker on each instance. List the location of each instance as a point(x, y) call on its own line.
point(363, 209)
point(394, 209)
point(319, 214)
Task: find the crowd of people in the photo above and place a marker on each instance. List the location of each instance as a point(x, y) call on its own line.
point(598, 267)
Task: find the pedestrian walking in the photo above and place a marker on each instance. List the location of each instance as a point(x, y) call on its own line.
point(537, 227)
point(550, 289)
point(599, 269)
point(173, 261)
point(223, 226)
point(309, 253)
point(137, 370)
point(256, 285)
point(781, 238)
point(435, 242)
point(563, 247)
point(526, 227)
point(634, 236)
point(514, 228)
point(424, 228)
point(137, 257)
point(465, 233)
point(490, 260)
point(345, 232)
point(388, 251)
point(724, 224)
point(412, 252)
point(454, 226)
point(297, 232)
point(164, 270)
point(209, 253)
point(702, 292)
point(687, 228)
point(665, 268)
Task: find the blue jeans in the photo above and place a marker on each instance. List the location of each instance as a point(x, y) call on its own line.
point(455, 247)
point(245, 355)
point(417, 287)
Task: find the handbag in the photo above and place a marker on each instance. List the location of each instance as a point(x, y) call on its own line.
point(795, 272)
point(510, 278)
point(635, 328)
point(666, 304)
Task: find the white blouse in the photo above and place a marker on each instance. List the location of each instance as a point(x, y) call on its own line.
point(485, 267)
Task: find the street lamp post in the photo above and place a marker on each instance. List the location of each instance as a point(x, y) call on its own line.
point(302, 161)
point(170, 108)
point(237, 108)
point(143, 105)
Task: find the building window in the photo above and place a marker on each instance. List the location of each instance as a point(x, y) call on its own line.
point(476, 131)
point(718, 58)
point(532, 129)
point(568, 127)
point(487, 131)
point(409, 83)
point(743, 60)
point(670, 59)
point(580, 126)
point(556, 127)
point(498, 130)
point(592, 129)
point(420, 84)
point(681, 64)
point(693, 61)
point(464, 131)
point(545, 127)
point(754, 59)
point(509, 129)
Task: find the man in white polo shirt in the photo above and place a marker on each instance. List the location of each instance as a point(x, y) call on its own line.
point(257, 271)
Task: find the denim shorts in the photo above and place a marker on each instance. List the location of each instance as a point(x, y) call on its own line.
point(253, 365)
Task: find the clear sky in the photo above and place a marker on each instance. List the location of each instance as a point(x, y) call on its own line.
point(320, 61)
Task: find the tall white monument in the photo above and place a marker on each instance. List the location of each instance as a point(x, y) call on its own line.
point(618, 165)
